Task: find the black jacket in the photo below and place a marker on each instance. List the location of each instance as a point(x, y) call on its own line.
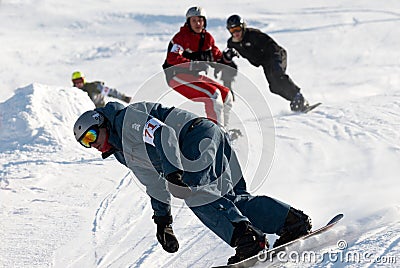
point(257, 47)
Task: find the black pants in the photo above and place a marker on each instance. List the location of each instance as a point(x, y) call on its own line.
point(279, 82)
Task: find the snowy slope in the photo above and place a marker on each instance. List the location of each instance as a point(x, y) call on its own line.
point(63, 206)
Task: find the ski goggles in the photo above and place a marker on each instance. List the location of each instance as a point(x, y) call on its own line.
point(89, 137)
point(235, 29)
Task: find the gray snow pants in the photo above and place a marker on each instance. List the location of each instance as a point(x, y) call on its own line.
point(219, 190)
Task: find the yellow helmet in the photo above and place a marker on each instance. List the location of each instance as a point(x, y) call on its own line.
point(78, 75)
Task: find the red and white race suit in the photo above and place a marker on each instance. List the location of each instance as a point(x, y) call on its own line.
point(186, 80)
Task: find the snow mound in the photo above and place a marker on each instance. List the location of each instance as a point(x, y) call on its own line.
point(44, 175)
point(40, 116)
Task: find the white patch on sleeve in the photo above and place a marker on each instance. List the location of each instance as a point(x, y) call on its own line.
point(149, 128)
point(177, 49)
point(105, 90)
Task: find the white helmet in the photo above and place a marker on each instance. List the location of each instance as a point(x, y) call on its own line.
point(86, 121)
point(196, 12)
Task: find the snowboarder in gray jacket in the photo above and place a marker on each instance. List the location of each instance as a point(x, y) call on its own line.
point(172, 151)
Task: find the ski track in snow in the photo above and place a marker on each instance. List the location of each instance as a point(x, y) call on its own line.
point(105, 205)
point(109, 228)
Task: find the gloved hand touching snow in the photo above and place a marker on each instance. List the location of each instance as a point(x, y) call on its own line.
point(165, 234)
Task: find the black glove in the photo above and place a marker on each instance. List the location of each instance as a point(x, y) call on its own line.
point(126, 99)
point(165, 234)
point(198, 66)
point(176, 186)
point(198, 55)
point(228, 54)
point(226, 72)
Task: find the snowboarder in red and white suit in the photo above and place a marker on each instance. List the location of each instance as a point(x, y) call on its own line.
point(190, 52)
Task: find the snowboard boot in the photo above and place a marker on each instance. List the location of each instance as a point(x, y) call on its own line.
point(298, 104)
point(296, 225)
point(248, 241)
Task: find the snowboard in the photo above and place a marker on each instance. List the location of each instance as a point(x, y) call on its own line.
point(311, 107)
point(268, 254)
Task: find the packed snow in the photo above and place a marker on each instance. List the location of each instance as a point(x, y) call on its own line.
point(61, 205)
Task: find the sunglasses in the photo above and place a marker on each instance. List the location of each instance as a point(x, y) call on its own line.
point(235, 29)
point(89, 137)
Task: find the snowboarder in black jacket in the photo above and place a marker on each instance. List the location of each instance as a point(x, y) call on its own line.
point(261, 50)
